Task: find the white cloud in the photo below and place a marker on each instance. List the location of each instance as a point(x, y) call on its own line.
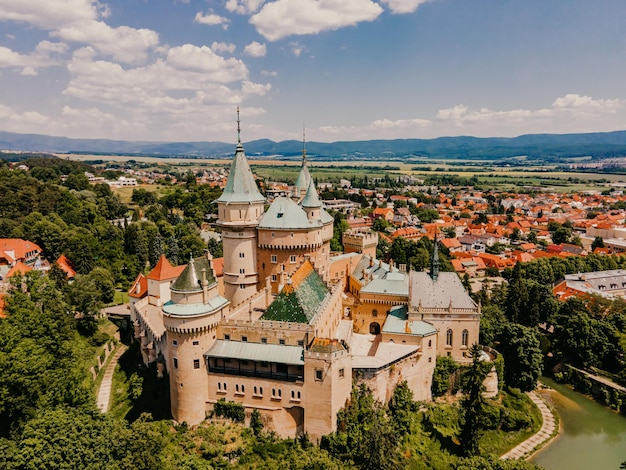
point(400, 123)
point(211, 19)
point(202, 59)
point(573, 100)
point(251, 88)
point(223, 47)
point(255, 49)
point(283, 18)
point(296, 48)
point(14, 121)
point(403, 6)
point(243, 6)
point(122, 43)
point(49, 14)
point(45, 55)
point(269, 73)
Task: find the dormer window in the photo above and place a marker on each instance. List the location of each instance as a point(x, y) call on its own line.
point(279, 215)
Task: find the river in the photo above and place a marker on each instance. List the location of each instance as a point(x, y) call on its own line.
point(592, 436)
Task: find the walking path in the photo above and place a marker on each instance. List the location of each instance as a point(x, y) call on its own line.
point(104, 393)
point(545, 434)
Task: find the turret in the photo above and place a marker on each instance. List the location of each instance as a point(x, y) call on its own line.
point(239, 208)
point(304, 177)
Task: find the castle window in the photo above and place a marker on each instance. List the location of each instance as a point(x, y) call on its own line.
point(196, 363)
point(264, 340)
point(224, 386)
point(280, 392)
point(274, 259)
point(430, 359)
point(292, 259)
point(242, 271)
point(244, 339)
point(255, 390)
point(237, 388)
point(281, 341)
point(174, 342)
point(291, 234)
point(274, 277)
point(293, 394)
point(298, 395)
point(449, 337)
point(374, 313)
point(464, 336)
point(242, 286)
point(430, 343)
point(300, 342)
point(243, 388)
point(226, 337)
point(196, 343)
point(319, 373)
point(260, 390)
point(272, 234)
point(342, 373)
point(219, 385)
point(175, 363)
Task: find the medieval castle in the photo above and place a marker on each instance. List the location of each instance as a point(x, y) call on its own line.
point(284, 326)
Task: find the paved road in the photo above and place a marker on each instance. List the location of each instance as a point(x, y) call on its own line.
point(545, 434)
point(104, 393)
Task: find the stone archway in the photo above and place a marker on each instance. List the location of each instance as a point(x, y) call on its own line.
point(374, 328)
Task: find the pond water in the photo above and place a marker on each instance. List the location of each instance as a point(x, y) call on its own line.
point(592, 436)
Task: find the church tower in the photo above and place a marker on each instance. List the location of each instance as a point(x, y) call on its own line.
point(239, 208)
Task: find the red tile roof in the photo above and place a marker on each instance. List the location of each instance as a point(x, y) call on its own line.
point(139, 287)
point(66, 265)
point(218, 266)
point(17, 248)
point(164, 270)
point(18, 268)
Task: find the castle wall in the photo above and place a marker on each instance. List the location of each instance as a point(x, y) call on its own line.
point(457, 322)
point(328, 383)
point(415, 369)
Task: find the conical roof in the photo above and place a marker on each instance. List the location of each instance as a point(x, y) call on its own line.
point(303, 179)
point(311, 198)
point(240, 186)
point(189, 280)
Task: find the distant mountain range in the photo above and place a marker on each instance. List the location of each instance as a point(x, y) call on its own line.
point(547, 147)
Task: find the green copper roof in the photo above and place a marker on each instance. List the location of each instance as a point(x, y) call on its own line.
point(311, 198)
point(285, 214)
point(240, 186)
point(304, 177)
point(192, 310)
point(298, 302)
point(397, 322)
point(190, 278)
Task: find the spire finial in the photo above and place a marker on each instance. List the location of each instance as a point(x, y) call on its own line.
point(238, 127)
point(434, 261)
point(303, 144)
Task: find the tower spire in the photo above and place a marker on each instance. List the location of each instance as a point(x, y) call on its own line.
point(303, 144)
point(434, 261)
point(238, 127)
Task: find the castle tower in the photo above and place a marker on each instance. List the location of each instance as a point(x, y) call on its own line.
point(239, 208)
point(191, 318)
point(304, 177)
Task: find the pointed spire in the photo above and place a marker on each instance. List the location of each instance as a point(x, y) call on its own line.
point(302, 181)
point(434, 261)
point(238, 127)
point(240, 186)
point(311, 198)
point(188, 281)
point(303, 145)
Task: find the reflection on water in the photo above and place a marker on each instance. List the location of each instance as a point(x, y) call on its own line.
point(592, 436)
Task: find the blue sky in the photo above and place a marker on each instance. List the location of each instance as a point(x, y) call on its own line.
point(171, 70)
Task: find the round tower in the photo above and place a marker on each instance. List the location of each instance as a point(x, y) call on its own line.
point(190, 319)
point(239, 208)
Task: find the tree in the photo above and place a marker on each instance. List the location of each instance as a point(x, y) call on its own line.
point(216, 247)
point(473, 404)
point(523, 360)
point(402, 408)
point(517, 298)
point(255, 422)
point(598, 242)
point(561, 235)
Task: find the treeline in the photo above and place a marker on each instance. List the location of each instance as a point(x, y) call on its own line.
point(534, 331)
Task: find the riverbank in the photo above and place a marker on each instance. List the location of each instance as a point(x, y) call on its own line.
point(549, 430)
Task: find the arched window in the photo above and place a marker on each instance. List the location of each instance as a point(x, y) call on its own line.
point(374, 328)
point(374, 313)
point(464, 337)
point(449, 337)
